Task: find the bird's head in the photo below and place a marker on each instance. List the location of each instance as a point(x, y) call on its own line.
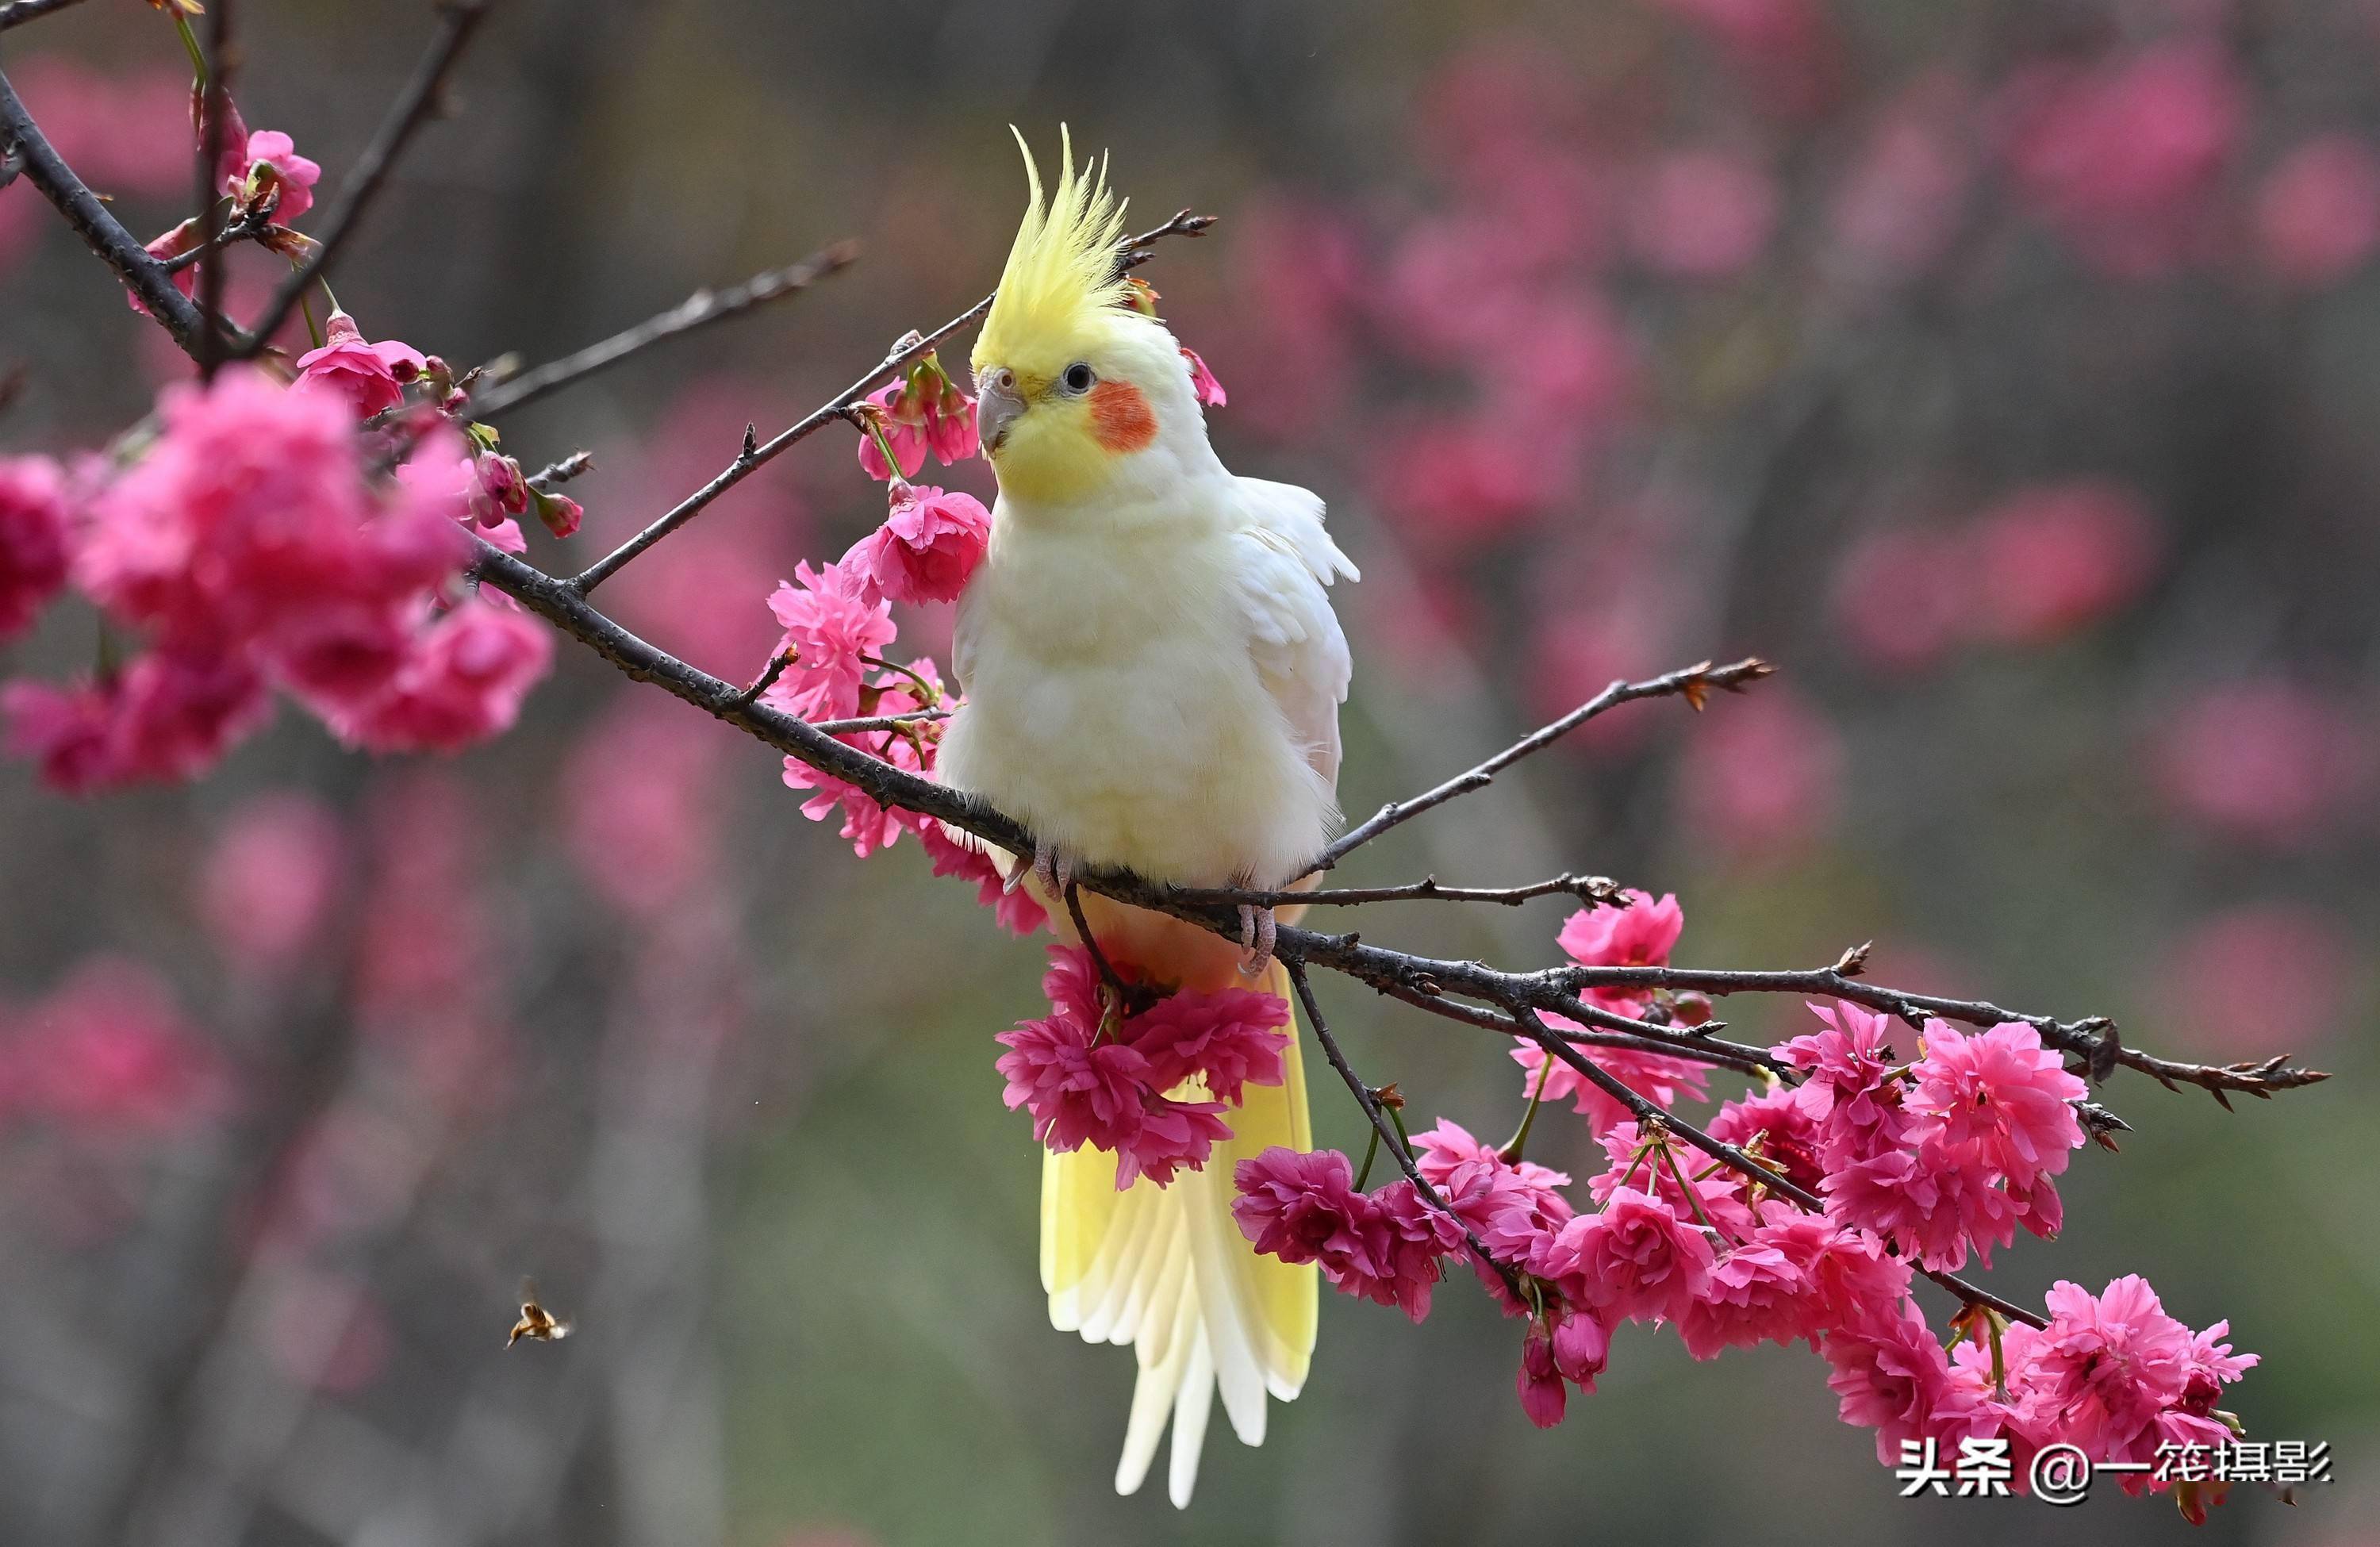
point(1071, 381)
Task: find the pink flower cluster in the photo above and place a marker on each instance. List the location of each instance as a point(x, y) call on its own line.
point(107, 1056)
point(1949, 1155)
point(251, 549)
point(2039, 565)
point(1381, 1246)
point(837, 623)
point(925, 410)
point(1149, 1088)
point(2113, 1374)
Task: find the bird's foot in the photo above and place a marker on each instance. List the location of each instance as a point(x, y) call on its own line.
point(1053, 867)
point(1257, 933)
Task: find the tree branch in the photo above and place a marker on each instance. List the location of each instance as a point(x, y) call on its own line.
point(413, 107)
point(214, 90)
point(1692, 683)
point(100, 230)
point(755, 454)
point(1601, 891)
point(17, 12)
point(698, 310)
point(1419, 980)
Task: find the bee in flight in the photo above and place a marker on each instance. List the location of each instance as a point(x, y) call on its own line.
point(536, 1321)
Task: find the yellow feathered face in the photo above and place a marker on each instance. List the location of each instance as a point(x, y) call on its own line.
point(1055, 402)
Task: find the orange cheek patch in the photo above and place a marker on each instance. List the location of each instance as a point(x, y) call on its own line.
point(1119, 417)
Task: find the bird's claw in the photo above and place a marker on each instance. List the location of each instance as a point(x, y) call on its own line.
point(1053, 869)
point(1256, 933)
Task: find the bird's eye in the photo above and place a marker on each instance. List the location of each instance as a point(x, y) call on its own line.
point(1078, 377)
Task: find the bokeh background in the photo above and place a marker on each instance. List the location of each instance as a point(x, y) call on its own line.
point(2007, 370)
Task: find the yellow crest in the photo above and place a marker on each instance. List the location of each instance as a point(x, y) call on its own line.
point(1060, 271)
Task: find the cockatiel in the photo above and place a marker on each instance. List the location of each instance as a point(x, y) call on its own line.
point(1152, 675)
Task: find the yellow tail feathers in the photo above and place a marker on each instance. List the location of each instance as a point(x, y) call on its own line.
point(1167, 1271)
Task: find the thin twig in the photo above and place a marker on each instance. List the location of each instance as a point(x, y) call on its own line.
point(755, 454)
point(1385, 1130)
point(1647, 1112)
point(413, 107)
point(881, 722)
point(1595, 889)
point(100, 230)
point(18, 12)
point(220, 60)
point(553, 475)
point(1108, 974)
point(1692, 683)
point(2092, 1039)
point(698, 310)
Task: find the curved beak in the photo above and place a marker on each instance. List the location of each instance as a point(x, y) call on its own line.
point(997, 405)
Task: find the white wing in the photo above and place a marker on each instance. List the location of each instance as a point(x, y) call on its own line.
point(1286, 561)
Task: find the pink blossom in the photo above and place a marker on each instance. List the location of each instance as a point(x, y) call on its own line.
point(558, 513)
point(1383, 1247)
point(925, 410)
point(1779, 1129)
point(1764, 782)
point(270, 161)
point(1634, 1260)
point(2266, 763)
point(1902, 197)
point(371, 377)
point(1302, 1207)
point(2121, 159)
point(1703, 215)
point(108, 1054)
point(270, 880)
point(1641, 935)
point(1998, 1100)
point(1510, 1205)
point(66, 732)
point(1013, 908)
point(184, 237)
point(830, 623)
point(1543, 1393)
point(33, 538)
point(2104, 1368)
point(1202, 381)
point(1582, 1345)
point(1904, 597)
point(127, 133)
point(246, 541)
point(502, 490)
point(2259, 978)
point(1228, 1038)
point(1928, 1205)
point(926, 548)
point(462, 681)
point(1857, 1112)
point(1891, 1375)
point(2318, 212)
point(867, 823)
point(1090, 1077)
point(1656, 1077)
point(638, 799)
point(2054, 557)
point(1756, 1293)
point(1406, 1240)
point(1716, 1199)
point(1847, 1271)
point(1079, 1091)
